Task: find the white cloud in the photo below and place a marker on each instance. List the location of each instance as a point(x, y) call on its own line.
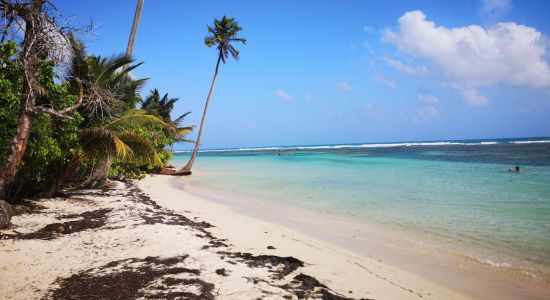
point(373, 113)
point(492, 11)
point(309, 97)
point(345, 87)
point(283, 95)
point(472, 57)
point(369, 29)
point(381, 79)
point(425, 113)
point(401, 67)
point(368, 47)
point(472, 96)
point(427, 98)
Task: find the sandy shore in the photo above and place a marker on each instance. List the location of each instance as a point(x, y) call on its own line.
point(340, 269)
point(419, 254)
point(152, 239)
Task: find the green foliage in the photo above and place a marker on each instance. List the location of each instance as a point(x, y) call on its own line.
point(51, 141)
point(159, 135)
point(136, 139)
point(222, 34)
point(11, 83)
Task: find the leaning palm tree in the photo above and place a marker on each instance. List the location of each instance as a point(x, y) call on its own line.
point(221, 35)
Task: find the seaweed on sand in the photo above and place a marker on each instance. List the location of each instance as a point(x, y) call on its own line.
point(88, 220)
point(149, 278)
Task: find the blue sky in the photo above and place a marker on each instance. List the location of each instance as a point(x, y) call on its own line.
point(328, 72)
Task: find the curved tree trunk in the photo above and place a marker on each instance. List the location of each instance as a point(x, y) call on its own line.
point(133, 32)
point(186, 170)
point(68, 171)
point(98, 178)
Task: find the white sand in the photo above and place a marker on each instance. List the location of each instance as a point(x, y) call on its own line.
point(136, 229)
point(340, 269)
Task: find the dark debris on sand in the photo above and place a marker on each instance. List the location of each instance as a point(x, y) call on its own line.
point(149, 278)
point(163, 278)
point(87, 220)
point(27, 207)
point(307, 287)
point(283, 265)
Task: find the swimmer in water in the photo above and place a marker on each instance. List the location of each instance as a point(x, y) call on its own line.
point(516, 170)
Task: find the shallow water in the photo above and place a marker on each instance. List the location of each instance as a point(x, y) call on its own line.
point(459, 193)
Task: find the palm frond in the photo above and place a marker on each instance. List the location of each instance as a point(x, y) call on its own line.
point(134, 119)
point(98, 142)
point(142, 149)
point(222, 34)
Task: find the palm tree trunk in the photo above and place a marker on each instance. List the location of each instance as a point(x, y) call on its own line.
point(100, 173)
point(186, 170)
point(135, 26)
point(133, 32)
point(68, 170)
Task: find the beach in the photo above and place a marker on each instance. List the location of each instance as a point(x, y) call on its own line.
point(212, 250)
point(154, 239)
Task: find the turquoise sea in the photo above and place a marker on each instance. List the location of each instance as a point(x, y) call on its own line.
point(459, 192)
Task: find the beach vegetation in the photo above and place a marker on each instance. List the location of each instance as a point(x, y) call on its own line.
point(69, 118)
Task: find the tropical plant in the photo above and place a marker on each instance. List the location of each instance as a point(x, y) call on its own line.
point(163, 107)
point(111, 94)
point(221, 35)
point(38, 46)
point(117, 139)
point(51, 141)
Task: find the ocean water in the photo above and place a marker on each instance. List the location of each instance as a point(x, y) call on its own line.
point(458, 192)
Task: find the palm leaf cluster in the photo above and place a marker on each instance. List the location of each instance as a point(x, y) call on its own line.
point(116, 138)
point(222, 34)
point(163, 106)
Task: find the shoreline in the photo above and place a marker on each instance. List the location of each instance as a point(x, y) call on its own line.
point(459, 272)
point(153, 239)
point(119, 243)
point(341, 269)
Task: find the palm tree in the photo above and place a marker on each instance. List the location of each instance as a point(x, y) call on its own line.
point(115, 139)
point(111, 94)
point(221, 35)
point(163, 107)
point(133, 32)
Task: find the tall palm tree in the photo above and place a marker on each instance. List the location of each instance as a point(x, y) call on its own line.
point(133, 32)
point(222, 34)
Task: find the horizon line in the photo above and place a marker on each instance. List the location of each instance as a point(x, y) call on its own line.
point(537, 138)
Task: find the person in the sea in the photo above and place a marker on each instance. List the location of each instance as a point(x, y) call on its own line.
point(516, 170)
